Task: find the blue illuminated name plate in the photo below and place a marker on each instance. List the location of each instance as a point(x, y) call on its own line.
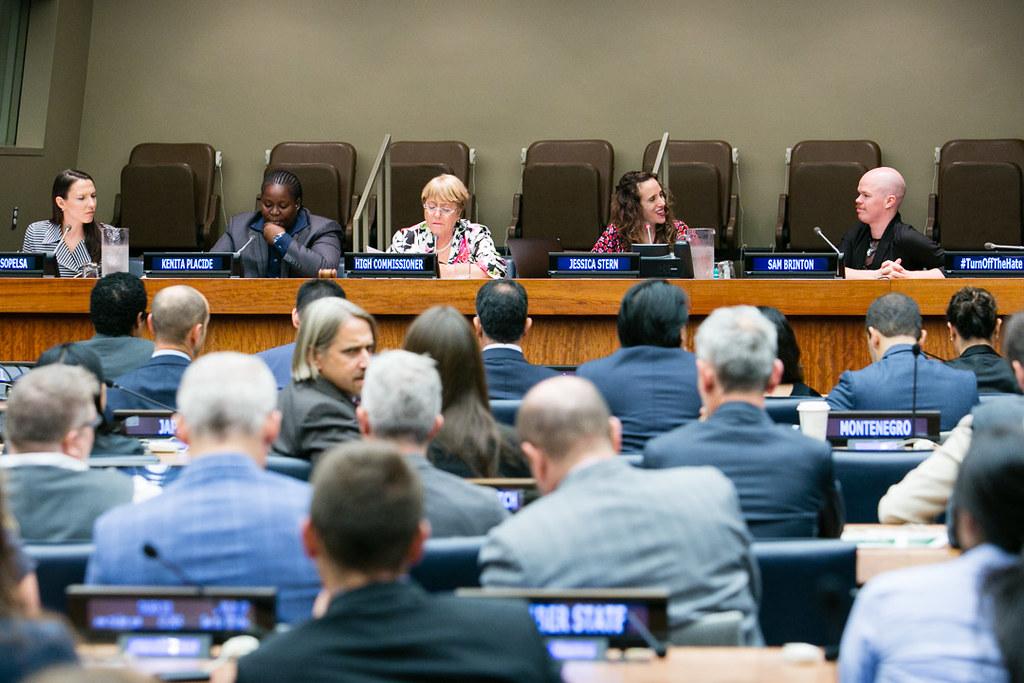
point(587, 264)
point(984, 263)
point(187, 264)
point(378, 264)
point(854, 425)
point(790, 265)
point(16, 264)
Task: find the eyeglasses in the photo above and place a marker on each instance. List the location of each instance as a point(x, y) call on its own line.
point(443, 210)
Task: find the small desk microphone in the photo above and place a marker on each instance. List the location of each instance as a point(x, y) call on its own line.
point(114, 385)
point(150, 551)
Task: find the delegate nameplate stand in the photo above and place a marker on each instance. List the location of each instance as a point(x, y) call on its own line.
point(824, 265)
point(984, 264)
point(879, 430)
point(580, 264)
point(17, 264)
point(188, 264)
point(383, 265)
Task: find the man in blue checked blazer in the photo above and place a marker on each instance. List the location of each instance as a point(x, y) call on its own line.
point(225, 521)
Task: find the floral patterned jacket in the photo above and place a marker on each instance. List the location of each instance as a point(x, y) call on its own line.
point(471, 243)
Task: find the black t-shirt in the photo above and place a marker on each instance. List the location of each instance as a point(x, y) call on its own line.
point(899, 241)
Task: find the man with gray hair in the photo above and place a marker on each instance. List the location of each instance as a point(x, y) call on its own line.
point(225, 521)
point(49, 429)
point(784, 479)
point(603, 523)
point(401, 405)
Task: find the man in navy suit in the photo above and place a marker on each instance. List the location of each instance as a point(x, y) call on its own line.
point(117, 309)
point(650, 384)
point(501, 323)
point(784, 479)
point(178, 322)
point(279, 358)
point(894, 342)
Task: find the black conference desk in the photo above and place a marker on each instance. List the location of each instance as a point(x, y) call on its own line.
point(574, 320)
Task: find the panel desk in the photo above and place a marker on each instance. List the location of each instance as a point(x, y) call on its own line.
point(574, 320)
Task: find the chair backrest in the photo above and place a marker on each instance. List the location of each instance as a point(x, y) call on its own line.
point(449, 563)
point(530, 254)
point(58, 566)
point(296, 468)
point(719, 629)
point(505, 410)
point(823, 177)
point(407, 181)
point(793, 526)
point(321, 187)
point(980, 194)
point(700, 179)
point(341, 156)
point(782, 410)
point(865, 476)
point(806, 589)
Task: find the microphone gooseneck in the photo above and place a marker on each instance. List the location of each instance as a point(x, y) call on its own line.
point(916, 350)
point(640, 627)
point(1003, 247)
point(114, 385)
point(150, 551)
point(244, 246)
point(840, 266)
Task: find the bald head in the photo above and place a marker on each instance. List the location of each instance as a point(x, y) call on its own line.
point(176, 312)
point(888, 181)
point(566, 418)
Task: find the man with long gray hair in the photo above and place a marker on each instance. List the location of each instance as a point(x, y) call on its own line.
point(784, 479)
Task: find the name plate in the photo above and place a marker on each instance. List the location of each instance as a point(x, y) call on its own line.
point(856, 425)
point(17, 264)
point(819, 265)
point(377, 264)
point(187, 264)
point(563, 264)
point(984, 263)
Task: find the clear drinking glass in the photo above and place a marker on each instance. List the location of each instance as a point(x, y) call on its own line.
point(113, 250)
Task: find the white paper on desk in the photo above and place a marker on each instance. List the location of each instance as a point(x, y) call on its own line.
point(899, 537)
point(371, 250)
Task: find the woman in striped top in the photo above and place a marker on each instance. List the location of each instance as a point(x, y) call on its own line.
point(72, 235)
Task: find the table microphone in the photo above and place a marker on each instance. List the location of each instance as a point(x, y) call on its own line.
point(114, 385)
point(1003, 247)
point(640, 627)
point(840, 266)
point(150, 551)
point(916, 350)
point(239, 252)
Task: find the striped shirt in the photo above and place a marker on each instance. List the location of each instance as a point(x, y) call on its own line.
point(44, 236)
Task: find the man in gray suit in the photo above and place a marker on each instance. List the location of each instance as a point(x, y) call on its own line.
point(117, 309)
point(401, 404)
point(605, 524)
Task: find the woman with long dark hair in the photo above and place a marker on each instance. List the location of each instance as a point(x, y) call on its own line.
point(792, 382)
point(641, 214)
point(72, 235)
point(471, 443)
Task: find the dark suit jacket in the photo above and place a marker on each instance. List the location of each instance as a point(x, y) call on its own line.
point(455, 507)
point(784, 479)
point(651, 389)
point(995, 376)
point(398, 632)
point(158, 379)
point(888, 385)
point(509, 376)
point(315, 247)
point(279, 360)
point(119, 355)
point(315, 415)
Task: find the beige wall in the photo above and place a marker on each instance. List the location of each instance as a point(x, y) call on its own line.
point(909, 74)
point(26, 177)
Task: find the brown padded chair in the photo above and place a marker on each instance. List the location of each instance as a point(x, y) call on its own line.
point(327, 171)
point(823, 178)
point(979, 196)
point(700, 180)
point(167, 199)
point(567, 188)
point(413, 164)
point(530, 255)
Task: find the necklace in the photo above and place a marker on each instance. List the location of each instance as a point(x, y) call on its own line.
point(446, 247)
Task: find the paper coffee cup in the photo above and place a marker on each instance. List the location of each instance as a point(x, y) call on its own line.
point(813, 418)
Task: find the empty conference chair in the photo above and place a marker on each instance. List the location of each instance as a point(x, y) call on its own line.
point(505, 410)
point(58, 566)
point(979, 195)
point(821, 188)
point(700, 178)
point(327, 171)
point(167, 196)
point(865, 476)
point(413, 164)
point(806, 590)
point(449, 563)
point(567, 186)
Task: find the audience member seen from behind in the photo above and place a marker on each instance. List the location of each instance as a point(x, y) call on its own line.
point(332, 352)
point(471, 443)
point(72, 235)
point(401, 405)
point(881, 245)
point(179, 321)
point(464, 250)
point(923, 494)
point(501, 322)
point(641, 214)
point(287, 240)
point(49, 429)
point(974, 323)
point(225, 521)
point(792, 381)
point(650, 383)
point(785, 480)
point(893, 324)
point(279, 358)
point(958, 620)
point(27, 643)
point(117, 309)
point(602, 523)
point(365, 529)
